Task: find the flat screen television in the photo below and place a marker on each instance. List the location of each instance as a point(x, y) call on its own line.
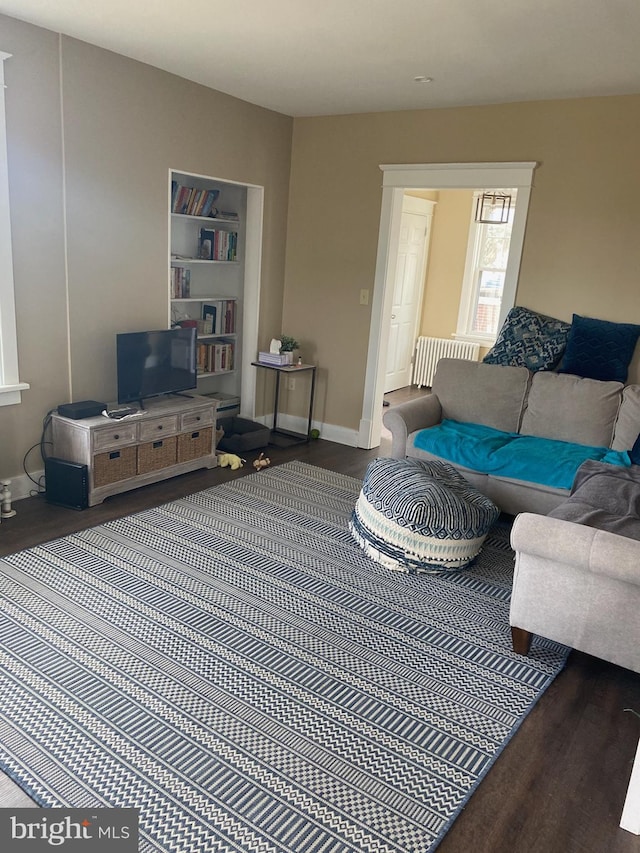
point(153, 363)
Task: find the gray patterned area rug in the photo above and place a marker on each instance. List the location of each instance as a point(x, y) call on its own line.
point(235, 667)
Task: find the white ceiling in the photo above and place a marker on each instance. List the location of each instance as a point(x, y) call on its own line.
point(324, 57)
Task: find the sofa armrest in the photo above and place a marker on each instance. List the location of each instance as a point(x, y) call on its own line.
point(578, 586)
point(597, 551)
point(408, 417)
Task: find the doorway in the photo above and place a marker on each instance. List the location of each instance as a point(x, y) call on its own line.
point(408, 286)
point(396, 179)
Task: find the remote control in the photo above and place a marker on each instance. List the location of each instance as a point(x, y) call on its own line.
point(117, 414)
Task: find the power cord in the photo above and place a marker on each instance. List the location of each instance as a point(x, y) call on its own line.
point(42, 444)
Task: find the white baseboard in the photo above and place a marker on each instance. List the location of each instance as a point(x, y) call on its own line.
point(22, 487)
point(330, 432)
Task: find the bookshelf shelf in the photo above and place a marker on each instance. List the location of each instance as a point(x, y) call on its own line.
point(215, 220)
point(198, 299)
point(178, 261)
point(216, 373)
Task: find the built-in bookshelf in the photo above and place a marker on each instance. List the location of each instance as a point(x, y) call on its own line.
point(215, 246)
point(206, 273)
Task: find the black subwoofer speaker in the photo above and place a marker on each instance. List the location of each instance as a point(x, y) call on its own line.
point(66, 483)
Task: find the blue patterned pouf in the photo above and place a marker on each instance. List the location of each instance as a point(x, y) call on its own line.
point(416, 516)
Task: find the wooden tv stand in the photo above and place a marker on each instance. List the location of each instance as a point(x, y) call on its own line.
point(173, 435)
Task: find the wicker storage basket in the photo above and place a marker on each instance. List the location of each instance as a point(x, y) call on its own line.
point(113, 466)
point(193, 445)
point(156, 454)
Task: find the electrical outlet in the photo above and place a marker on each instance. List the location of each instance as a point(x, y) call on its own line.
point(292, 383)
point(364, 297)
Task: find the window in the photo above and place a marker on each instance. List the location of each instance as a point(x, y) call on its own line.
point(10, 386)
point(484, 275)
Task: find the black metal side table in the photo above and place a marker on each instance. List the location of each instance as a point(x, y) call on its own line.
point(283, 437)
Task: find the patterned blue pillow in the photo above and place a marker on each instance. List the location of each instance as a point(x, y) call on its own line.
point(528, 339)
point(600, 349)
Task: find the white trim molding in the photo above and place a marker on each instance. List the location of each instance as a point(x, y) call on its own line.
point(456, 176)
point(10, 385)
point(431, 176)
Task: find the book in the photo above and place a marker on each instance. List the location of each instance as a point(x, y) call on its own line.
point(208, 209)
point(192, 201)
point(215, 358)
point(210, 311)
point(278, 359)
point(206, 244)
point(180, 282)
point(214, 245)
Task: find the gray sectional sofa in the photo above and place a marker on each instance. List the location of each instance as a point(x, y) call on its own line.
point(577, 570)
point(472, 403)
point(577, 567)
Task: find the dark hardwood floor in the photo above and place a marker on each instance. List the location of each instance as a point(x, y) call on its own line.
point(560, 784)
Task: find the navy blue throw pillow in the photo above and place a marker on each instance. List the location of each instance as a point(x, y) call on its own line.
point(599, 349)
point(634, 453)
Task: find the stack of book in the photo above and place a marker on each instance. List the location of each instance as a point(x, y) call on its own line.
point(218, 245)
point(215, 358)
point(192, 201)
point(222, 313)
point(280, 359)
point(180, 282)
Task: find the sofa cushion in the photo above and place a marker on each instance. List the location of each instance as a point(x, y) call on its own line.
point(522, 457)
point(599, 349)
point(488, 394)
point(604, 497)
point(569, 408)
point(628, 423)
point(528, 339)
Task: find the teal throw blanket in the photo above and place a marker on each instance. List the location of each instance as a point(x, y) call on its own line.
point(509, 454)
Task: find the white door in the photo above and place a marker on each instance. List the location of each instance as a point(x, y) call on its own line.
point(415, 230)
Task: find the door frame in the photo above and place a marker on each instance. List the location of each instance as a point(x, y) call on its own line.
point(396, 179)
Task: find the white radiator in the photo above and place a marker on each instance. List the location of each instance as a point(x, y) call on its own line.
point(429, 351)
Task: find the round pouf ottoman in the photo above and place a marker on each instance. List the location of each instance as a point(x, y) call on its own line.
point(418, 516)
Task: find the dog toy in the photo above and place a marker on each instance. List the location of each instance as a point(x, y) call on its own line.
point(261, 462)
point(231, 460)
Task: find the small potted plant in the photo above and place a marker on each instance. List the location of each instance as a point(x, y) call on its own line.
point(287, 345)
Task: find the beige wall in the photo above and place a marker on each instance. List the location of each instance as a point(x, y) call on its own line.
point(124, 125)
point(581, 251)
point(447, 254)
point(37, 231)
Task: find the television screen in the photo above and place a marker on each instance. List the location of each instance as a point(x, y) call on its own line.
point(154, 363)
